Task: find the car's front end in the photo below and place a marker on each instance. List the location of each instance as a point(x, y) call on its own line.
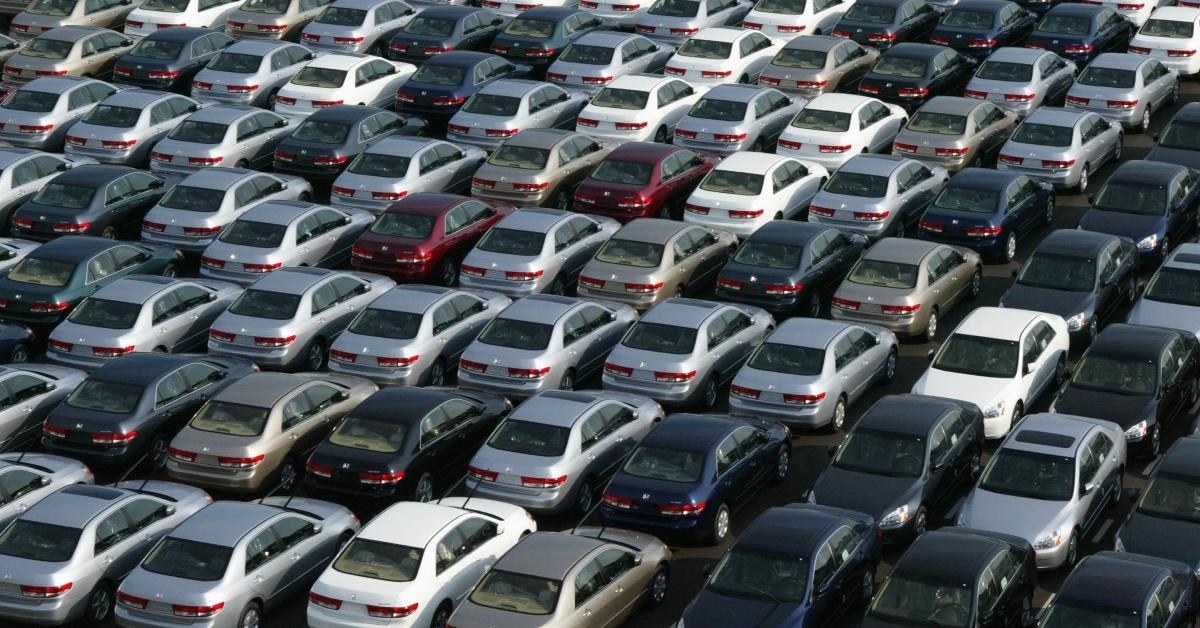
point(271, 344)
point(1148, 231)
point(1047, 524)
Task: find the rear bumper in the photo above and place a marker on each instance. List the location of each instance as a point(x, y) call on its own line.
point(75, 360)
point(899, 325)
point(230, 480)
point(544, 502)
point(819, 415)
point(384, 376)
point(664, 393)
point(509, 387)
point(1060, 179)
point(280, 358)
point(514, 289)
point(185, 244)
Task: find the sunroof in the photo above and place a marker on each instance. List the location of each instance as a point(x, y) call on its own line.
point(1188, 258)
point(1049, 439)
point(96, 492)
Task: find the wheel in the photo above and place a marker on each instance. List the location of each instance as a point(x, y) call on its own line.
point(744, 79)
point(1195, 394)
point(1027, 611)
point(1175, 92)
point(868, 584)
point(976, 464)
point(583, 499)
point(437, 373)
point(931, 326)
point(660, 136)
point(720, 528)
point(1060, 371)
point(757, 146)
point(447, 273)
point(976, 285)
point(423, 492)
point(1093, 328)
point(109, 233)
point(568, 380)
point(556, 287)
point(1119, 148)
point(251, 616)
point(1114, 493)
point(838, 421)
point(271, 99)
point(442, 616)
point(814, 305)
point(242, 163)
point(156, 455)
point(1081, 187)
point(1144, 125)
point(1049, 217)
point(678, 291)
point(376, 49)
point(889, 367)
point(305, 197)
point(920, 522)
point(562, 200)
point(100, 604)
point(1155, 441)
point(710, 392)
point(658, 587)
point(1072, 551)
point(159, 349)
point(170, 270)
point(19, 354)
point(1010, 248)
point(1166, 246)
point(314, 360)
point(288, 471)
point(783, 461)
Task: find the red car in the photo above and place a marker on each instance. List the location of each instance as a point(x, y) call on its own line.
point(424, 237)
point(643, 180)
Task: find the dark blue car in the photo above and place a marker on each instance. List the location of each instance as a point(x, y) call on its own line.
point(977, 27)
point(692, 470)
point(1081, 32)
point(324, 143)
point(796, 565)
point(539, 35)
point(16, 343)
point(438, 89)
point(1150, 202)
point(441, 29)
point(988, 211)
point(1116, 589)
point(170, 58)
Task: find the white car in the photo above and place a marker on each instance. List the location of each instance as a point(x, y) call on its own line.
point(625, 13)
point(342, 78)
point(722, 54)
point(1136, 12)
point(785, 19)
point(154, 15)
point(1171, 35)
point(832, 128)
point(415, 562)
point(511, 8)
point(1002, 360)
point(748, 190)
point(638, 108)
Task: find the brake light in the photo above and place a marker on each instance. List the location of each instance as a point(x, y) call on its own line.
point(501, 132)
point(731, 284)
point(981, 43)
point(272, 28)
point(212, 262)
point(1122, 104)
point(1181, 53)
point(400, 97)
point(282, 156)
point(500, 50)
point(831, 148)
point(882, 37)
point(181, 454)
point(769, 80)
point(111, 352)
point(70, 227)
point(804, 400)
point(437, 50)
point(118, 144)
point(951, 152)
point(617, 502)
point(267, 341)
point(388, 196)
point(555, 76)
point(591, 282)
point(754, 25)
point(871, 216)
point(324, 601)
point(523, 275)
point(235, 462)
point(541, 52)
point(482, 474)
point(716, 73)
point(391, 611)
point(744, 392)
point(261, 268)
point(984, 232)
point(745, 213)
point(904, 148)
point(674, 378)
point(347, 40)
point(375, 478)
point(35, 128)
point(1009, 159)
point(868, 89)
point(1141, 50)
point(941, 40)
point(681, 510)
point(327, 103)
point(232, 24)
point(330, 161)
point(1019, 97)
point(163, 74)
point(971, 93)
point(843, 34)
point(531, 482)
point(790, 144)
point(587, 122)
point(684, 31)
point(115, 438)
point(779, 290)
point(187, 610)
point(674, 70)
point(643, 288)
point(631, 126)
point(44, 592)
point(790, 29)
point(123, 71)
point(817, 210)
point(1131, 7)
point(1051, 163)
point(398, 47)
point(467, 365)
point(221, 335)
point(913, 92)
point(60, 345)
point(687, 135)
point(1076, 100)
point(725, 137)
point(530, 187)
point(1078, 48)
point(396, 362)
point(932, 226)
point(51, 73)
point(413, 258)
point(153, 226)
point(846, 304)
point(616, 369)
point(483, 183)
point(447, 101)
point(900, 310)
point(132, 600)
point(55, 431)
point(529, 373)
point(23, 223)
point(205, 161)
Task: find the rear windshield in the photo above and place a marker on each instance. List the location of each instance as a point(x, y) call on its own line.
point(262, 235)
point(730, 182)
point(615, 98)
point(493, 105)
point(274, 7)
point(857, 184)
point(1171, 285)
point(675, 8)
point(1107, 77)
point(105, 313)
point(968, 19)
point(1167, 28)
point(359, 433)
point(1043, 134)
point(341, 16)
point(165, 6)
point(381, 323)
point(714, 109)
point(626, 172)
point(113, 116)
point(965, 199)
point(782, 7)
point(102, 396)
point(523, 157)
point(321, 132)
point(528, 27)
point(801, 59)
point(630, 253)
point(660, 338)
point(1005, 71)
point(193, 199)
point(1064, 613)
point(191, 560)
point(788, 359)
point(587, 55)
point(235, 62)
point(410, 226)
point(870, 14)
point(199, 132)
point(278, 306)
point(57, 8)
point(432, 74)
point(320, 77)
point(665, 464)
point(512, 242)
point(517, 593)
point(516, 334)
point(1065, 25)
point(42, 272)
point(874, 272)
point(65, 195)
point(157, 49)
point(43, 48)
point(379, 560)
point(1183, 134)
point(31, 101)
point(1143, 200)
point(530, 438)
point(705, 49)
point(234, 419)
point(821, 120)
point(43, 542)
point(430, 26)
point(379, 165)
point(903, 67)
point(938, 123)
point(769, 255)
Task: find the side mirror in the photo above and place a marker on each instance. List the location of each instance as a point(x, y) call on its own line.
point(346, 221)
point(14, 45)
point(637, 560)
point(283, 185)
point(499, 529)
point(930, 355)
point(878, 339)
point(155, 184)
point(212, 296)
point(391, 70)
point(1091, 199)
point(1089, 487)
point(341, 396)
point(45, 480)
point(317, 529)
point(1028, 369)
point(127, 42)
point(62, 167)
point(279, 124)
point(170, 510)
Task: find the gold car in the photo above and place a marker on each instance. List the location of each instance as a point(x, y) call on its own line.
point(68, 51)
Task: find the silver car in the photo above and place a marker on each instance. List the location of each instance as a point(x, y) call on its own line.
point(226, 564)
point(250, 72)
point(43, 15)
point(683, 351)
point(357, 26)
point(535, 250)
point(195, 210)
point(239, 135)
point(396, 167)
point(877, 195)
point(543, 342)
point(139, 313)
point(39, 113)
point(31, 392)
point(274, 234)
point(1061, 147)
point(412, 335)
point(1125, 88)
point(29, 478)
point(65, 552)
point(574, 439)
point(1022, 79)
point(13, 250)
point(124, 127)
point(1050, 482)
point(1172, 297)
point(288, 318)
point(502, 108)
point(272, 19)
point(808, 371)
point(593, 61)
point(732, 118)
point(675, 21)
point(23, 172)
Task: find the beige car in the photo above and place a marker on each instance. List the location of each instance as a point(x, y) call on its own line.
point(539, 167)
point(68, 51)
point(593, 578)
point(955, 132)
point(652, 259)
point(817, 64)
point(256, 433)
point(273, 19)
point(906, 285)
point(43, 15)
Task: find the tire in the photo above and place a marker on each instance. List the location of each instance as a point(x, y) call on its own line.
point(1017, 415)
point(1115, 493)
point(866, 590)
point(442, 616)
point(1060, 371)
point(757, 146)
point(251, 616)
point(109, 233)
point(568, 380)
point(709, 397)
point(920, 522)
point(1174, 98)
point(814, 305)
point(889, 367)
point(314, 358)
point(562, 199)
point(976, 464)
point(19, 354)
point(242, 163)
point(159, 349)
point(1155, 441)
point(660, 136)
point(1072, 551)
point(720, 528)
point(270, 104)
point(679, 290)
point(976, 285)
point(423, 491)
point(1144, 125)
point(783, 462)
point(556, 287)
point(1081, 187)
point(170, 270)
point(1166, 246)
point(1119, 148)
point(1093, 329)
point(447, 273)
point(1049, 216)
point(437, 373)
point(657, 590)
point(305, 197)
point(744, 79)
point(156, 453)
point(1010, 248)
point(931, 326)
point(585, 498)
point(100, 604)
point(376, 49)
point(288, 474)
point(837, 422)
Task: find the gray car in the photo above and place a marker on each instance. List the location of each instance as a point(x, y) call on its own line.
point(250, 72)
point(683, 351)
point(31, 391)
point(275, 234)
point(357, 26)
point(539, 167)
point(1061, 147)
point(66, 552)
point(238, 135)
point(139, 313)
point(502, 108)
point(1050, 482)
point(577, 437)
point(808, 371)
point(31, 477)
point(675, 21)
point(413, 335)
point(289, 318)
point(38, 113)
point(590, 63)
point(535, 250)
point(23, 172)
point(229, 563)
point(1022, 79)
point(811, 65)
point(543, 342)
point(44, 15)
point(877, 195)
point(124, 127)
point(67, 50)
point(1172, 298)
point(1125, 88)
point(732, 118)
point(194, 211)
point(953, 133)
point(396, 167)
point(273, 19)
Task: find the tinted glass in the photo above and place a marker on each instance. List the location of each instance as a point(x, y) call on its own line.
point(523, 157)
point(113, 116)
point(903, 67)
point(58, 8)
point(769, 255)
point(908, 601)
point(409, 226)
point(222, 417)
point(1043, 134)
point(772, 577)
point(714, 109)
point(1096, 76)
point(321, 132)
point(1171, 497)
point(42, 272)
point(1183, 134)
point(631, 253)
point(1169, 285)
point(660, 338)
point(872, 272)
point(968, 200)
point(789, 359)
point(939, 123)
point(529, 27)
point(493, 105)
point(1129, 198)
point(199, 132)
point(821, 120)
point(379, 560)
point(320, 77)
point(234, 62)
point(1005, 71)
point(261, 235)
point(530, 438)
point(43, 542)
point(968, 19)
point(517, 593)
point(516, 334)
point(274, 7)
point(705, 49)
point(856, 184)
point(977, 355)
point(431, 74)
point(105, 396)
point(587, 55)
point(799, 58)
point(1030, 474)
point(157, 49)
point(1065, 25)
point(1167, 28)
point(512, 242)
point(383, 323)
point(104, 313)
point(266, 304)
point(341, 16)
point(625, 172)
point(1120, 375)
point(379, 165)
point(614, 98)
point(730, 182)
point(378, 436)
point(870, 14)
point(43, 48)
point(430, 26)
point(675, 8)
point(29, 100)
point(882, 453)
point(1058, 272)
point(665, 464)
point(190, 560)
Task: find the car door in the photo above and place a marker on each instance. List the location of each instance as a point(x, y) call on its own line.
point(941, 289)
point(457, 563)
point(22, 407)
point(836, 574)
point(1090, 502)
point(850, 376)
point(193, 319)
point(1034, 355)
point(606, 330)
point(19, 485)
point(1166, 608)
point(135, 527)
point(958, 273)
point(594, 601)
point(948, 450)
point(719, 346)
point(171, 329)
point(467, 325)
point(323, 399)
point(297, 544)
point(455, 171)
point(1108, 289)
point(753, 444)
point(618, 568)
point(733, 477)
point(1172, 383)
point(572, 255)
point(1179, 220)
point(473, 221)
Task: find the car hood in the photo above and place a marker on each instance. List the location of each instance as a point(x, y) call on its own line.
point(1181, 156)
point(1170, 315)
point(876, 495)
point(1124, 410)
point(981, 391)
point(1135, 226)
point(1162, 537)
point(995, 511)
point(1061, 302)
point(711, 608)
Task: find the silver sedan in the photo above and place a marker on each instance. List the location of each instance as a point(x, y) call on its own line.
point(1022, 79)
point(33, 391)
point(412, 335)
point(29, 478)
point(1061, 147)
point(543, 342)
point(250, 72)
point(676, 20)
point(123, 127)
point(877, 195)
point(683, 350)
point(288, 318)
point(593, 61)
point(357, 26)
point(808, 371)
point(1125, 88)
point(396, 167)
point(732, 118)
point(502, 108)
point(139, 313)
point(38, 113)
point(237, 135)
point(274, 234)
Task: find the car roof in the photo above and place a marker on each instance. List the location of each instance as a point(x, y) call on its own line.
point(179, 33)
point(642, 82)
point(71, 33)
point(692, 432)
point(814, 42)
point(994, 5)
point(1119, 60)
point(427, 204)
point(510, 87)
point(734, 92)
point(1153, 173)
point(906, 414)
point(957, 105)
point(358, 4)
point(547, 554)
point(258, 47)
point(9, 154)
point(135, 288)
point(914, 50)
point(756, 163)
point(870, 163)
point(293, 280)
point(1190, 111)
point(223, 522)
point(93, 174)
point(808, 332)
point(656, 230)
point(73, 248)
point(411, 297)
point(384, 405)
point(721, 33)
point(983, 178)
point(222, 114)
point(791, 531)
point(1111, 580)
point(540, 308)
point(136, 98)
point(74, 506)
point(787, 232)
point(949, 555)
point(549, 13)
point(997, 322)
point(344, 113)
point(1186, 256)
point(611, 39)
point(539, 219)
point(55, 84)
point(276, 212)
point(1074, 242)
point(1136, 341)
point(901, 249)
point(1056, 116)
point(140, 368)
point(642, 152)
point(681, 312)
point(838, 102)
point(339, 60)
point(262, 389)
point(451, 12)
point(1183, 458)
point(458, 58)
point(1049, 433)
point(1184, 14)
point(216, 178)
point(1077, 9)
point(539, 138)
point(1013, 54)
point(557, 407)
point(411, 524)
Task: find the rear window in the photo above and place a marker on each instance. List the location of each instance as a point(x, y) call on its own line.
point(321, 132)
point(382, 323)
point(523, 157)
point(328, 78)
point(1107, 77)
point(614, 98)
point(781, 7)
point(379, 560)
point(379, 165)
point(1005, 71)
point(512, 242)
point(530, 438)
point(821, 120)
point(938, 123)
point(625, 172)
point(1043, 134)
point(157, 49)
point(631, 253)
point(399, 225)
point(671, 465)
point(587, 55)
point(801, 59)
point(166, 6)
point(378, 436)
point(445, 75)
point(730, 182)
point(43, 48)
point(260, 235)
point(278, 306)
point(430, 26)
point(492, 105)
point(191, 560)
point(660, 338)
point(966, 199)
point(714, 109)
point(42, 272)
point(58, 8)
point(903, 67)
point(193, 199)
point(769, 255)
point(104, 396)
point(341, 16)
point(235, 62)
point(235, 419)
point(31, 101)
point(790, 359)
point(874, 272)
point(43, 542)
point(106, 313)
point(516, 334)
point(705, 49)
point(517, 593)
point(857, 184)
point(112, 116)
point(675, 8)
point(273, 7)
point(528, 27)
point(1064, 25)
point(65, 195)
point(870, 14)
point(199, 132)
point(1167, 28)
point(968, 20)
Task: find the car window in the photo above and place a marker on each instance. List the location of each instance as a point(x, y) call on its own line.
point(296, 410)
point(591, 430)
point(1173, 358)
point(142, 513)
point(444, 317)
point(321, 396)
point(444, 419)
point(467, 305)
point(844, 352)
point(202, 46)
point(1163, 603)
point(261, 549)
point(24, 172)
point(291, 531)
point(324, 298)
point(717, 332)
point(615, 563)
point(1088, 466)
point(281, 60)
point(18, 482)
point(588, 581)
point(574, 328)
point(824, 565)
point(989, 586)
point(748, 439)
point(728, 454)
point(22, 386)
point(112, 530)
point(465, 538)
point(170, 389)
point(939, 444)
point(165, 307)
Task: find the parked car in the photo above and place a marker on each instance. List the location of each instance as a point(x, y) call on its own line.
point(882, 24)
point(814, 65)
point(440, 87)
point(1167, 35)
point(444, 28)
point(539, 167)
point(249, 72)
point(34, 477)
point(32, 391)
point(153, 15)
point(953, 133)
point(38, 113)
point(23, 173)
point(748, 190)
point(1150, 202)
point(395, 167)
point(1162, 517)
point(337, 78)
point(1138, 15)
point(783, 21)
point(1172, 294)
point(987, 211)
point(1022, 80)
point(732, 118)
point(1179, 142)
point(1108, 586)
point(501, 109)
point(977, 27)
point(674, 21)
point(60, 51)
point(1061, 147)
point(832, 128)
point(537, 35)
point(240, 134)
point(624, 110)
point(357, 25)
point(598, 58)
point(41, 16)
point(280, 20)
point(643, 180)
point(709, 58)
point(877, 196)
point(909, 74)
point(1081, 32)
point(1125, 89)
point(92, 199)
point(169, 58)
point(123, 128)
point(320, 148)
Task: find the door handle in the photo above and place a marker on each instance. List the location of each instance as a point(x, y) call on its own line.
point(293, 436)
point(107, 560)
point(257, 579)
point(587, 612)
point(27, 409)
point(295, 557)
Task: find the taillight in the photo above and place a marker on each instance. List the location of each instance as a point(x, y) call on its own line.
point(413, 258)
point(617, 501)
point(327, 103)
point(132, 600)
point(745, 213)
point(45, 307)
point(716, 73)
point(790, 144)
point(643, 288)
point(871, 216)
point(232, 24)
point(729, 137)
point(804, 400)
point(868, 89)
point(555, 76)
point(817, 210)
point(324, 601)
point(235, 462)
point(476, 367)
point(267, 341)
point(436, 50)
point(882, 37)
point(687, 135)
point(448, 101)
point(754, 25)
point(730, 284)
point(482, 474)
point(336, 160)
point(262, 268)
point(984, 232)
point(35, 128)
point(846, 304)
point(913, 92)
point(501, 132)
point(529, 373)
point(59, 345)
point(396, 362)
point(163, 74)
point(684, 31)
point(458, 128)
point(1122, 104)
point(118, 144)
point(221, 335)
point(523, 275)
point(1131, 7)
point(55, 431)
point(153, 226)
point(388, 196)
point(932, 226)
point(843, 34)
point(111, 352)
point(113, 438)
point(188, 610)
point(122, 71)
point(681, 510)
point(631, 126)
point(904, 148)
point(212, 262)
point(1076, 100)
point(674, 378)
point(1181, 53)
point(616, 369)
point(398, 47)
point(951, 152)
point(285, 100)
point(70, 227)
point(318, 470)
point(1141, 50)
point(541, 52)
point(338, 190)
point(779, 290)
point(205, 161)
point(181, 454)
point(832, 148)
point(346, 41)
point(391, 611)
point(531, 482)
point(530, 187)
point(272, 28)
point(483, 183)
point(591, 282)
point(789, 29)
point(1053, 163)
point(342, 356)
point(1011, 160)
point(744, 392)
point(380, 478)
point(971, 93)
point(1078, 48)
point(44, 592)
point(51, 72)
point(940, 40)
point(284, 156)
point(674, 70)
point(900, 310)
point(587, 122)
point(981, 43)
point(769, 80)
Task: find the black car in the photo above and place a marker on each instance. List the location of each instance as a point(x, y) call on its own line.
point(987, 211)
point(885, 23)
point(909, 74)
point(539, 35)
point(909, 458)
point(1150, 202)
point(132, 406)
point(442, 85)
point(977, 27)
point(787, 266)
point(169, 58)
point(404, 443)
point(322, 146)
point(1165, 522)
point(1137, 377)
point(95, 199)
point(1126, 590)
point(439, 29)
point(959, 577)
point(1083, 276)
point(1179, 142)
point(16, 343)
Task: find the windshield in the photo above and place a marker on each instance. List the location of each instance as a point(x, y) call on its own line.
point(903, 67)
point(665, 464)
point(31, 101)
point(516, 334)
point(379, 436)
point(517, 593)
point(199, 132)
point(1132, 199)
point(1169, 285)
point(255, 303)
point(624, 172)
point(713, 109)
point(166, 6)
point(660, 338)
point(587, 55)
point(528, 27)
point(968, 19)
point(113, 116)
point(321, 132)
point(157, 49)
point(328, 78)
point(94, 394)
point(675, 8)
point(978, 355)
point(431, 26)
point(379, 560)
point(705, 49)
point(800, 58)
point(381, 323)
point(530, 438)
point(410, 226)
point(432, 74)
point(523, 157)
point(1182, 134)
point(64, 195)
point(44, 48)
point(875, 272)
point(614, 98)
point(234, 419)
point(104, 313)
point(769, 255)
point(512, 242)
point(194, 199)
point(274, 7)
point(821, 120)
point(341, 16)
point(493, 105)
point(57, 8)
point(857, 184)
point(1167, 28)
point(882, 453)
point(191, 560)
point(1067, 614)
point(1171, 497)
point(1005, 71)
point(730, 182)
point(965, 199)
point(1058, 272)
point(745, 572)
point(1030, 474)
point(379, 165)
point(1107, 77)
point(1065, 25)
point(235, 62)
point(42, 272)
point(938, 123)
point(43, 542)
point(261, 235)
point(1121, 375)
point(921, 603)
point(788, 359)
point(630, 253)
point(1043, 134)
point(782, 7)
